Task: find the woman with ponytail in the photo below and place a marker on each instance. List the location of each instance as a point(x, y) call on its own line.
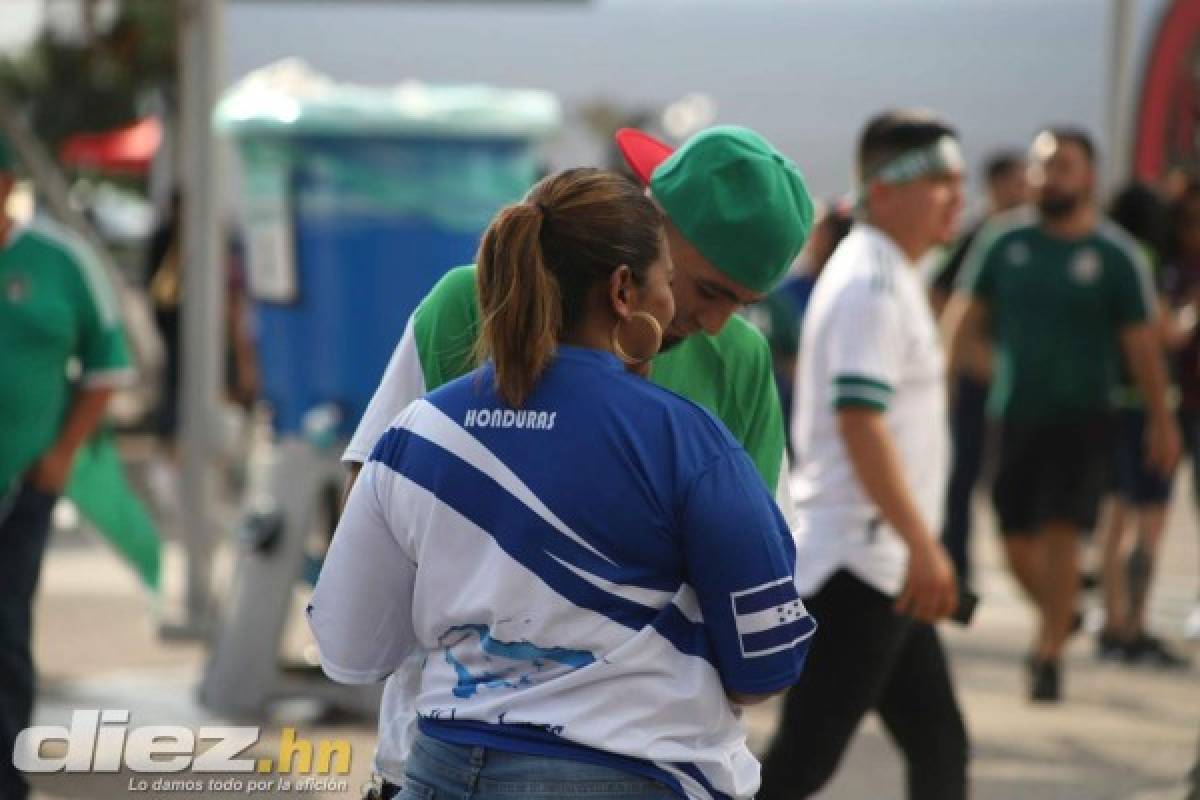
point(591, 563)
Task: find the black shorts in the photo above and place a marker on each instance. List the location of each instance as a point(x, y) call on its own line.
point(1134, 482)
point(1053, 472)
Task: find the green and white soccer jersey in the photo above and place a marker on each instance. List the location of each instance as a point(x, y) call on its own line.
point(1056, 308)
point(869, 341)
point(56, 306)
point(729, 374)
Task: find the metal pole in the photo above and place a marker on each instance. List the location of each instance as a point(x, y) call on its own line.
point(1120, 95)
point(203, 304)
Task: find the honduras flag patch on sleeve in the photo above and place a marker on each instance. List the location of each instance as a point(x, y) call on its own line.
point(770, 618)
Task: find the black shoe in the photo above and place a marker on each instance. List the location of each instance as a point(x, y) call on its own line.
point(1110, 647)
point(1154, 652)
point(1044, 681)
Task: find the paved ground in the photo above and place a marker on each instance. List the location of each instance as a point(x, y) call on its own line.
point(1122, 734)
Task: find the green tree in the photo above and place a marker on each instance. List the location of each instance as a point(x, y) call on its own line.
point(99, 81)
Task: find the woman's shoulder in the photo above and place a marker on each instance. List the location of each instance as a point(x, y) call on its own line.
point(677, 415)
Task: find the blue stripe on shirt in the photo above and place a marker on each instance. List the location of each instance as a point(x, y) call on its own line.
point(778, 595)
point(688, 637)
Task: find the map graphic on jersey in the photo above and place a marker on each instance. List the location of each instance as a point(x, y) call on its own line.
point(506, 665)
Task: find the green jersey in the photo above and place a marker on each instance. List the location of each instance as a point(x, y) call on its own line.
point(1057, 307)
point(729, 374)
point(56, 308)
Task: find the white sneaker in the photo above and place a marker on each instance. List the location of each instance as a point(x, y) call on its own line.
point(1191, 628)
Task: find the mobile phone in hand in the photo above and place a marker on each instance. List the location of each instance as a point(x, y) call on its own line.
point(968, 601)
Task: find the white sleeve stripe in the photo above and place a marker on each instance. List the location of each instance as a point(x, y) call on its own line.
point(786, 645)
point(1141, 267)
point(862, 393)
point(115, 377)
point(651, 598)
point(769, 618)
point(688, 604)
point(95, 278)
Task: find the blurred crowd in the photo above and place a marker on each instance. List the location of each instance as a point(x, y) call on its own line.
point(1164, 220)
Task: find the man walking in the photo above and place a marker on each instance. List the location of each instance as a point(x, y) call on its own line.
point(872, 455)
point(1059, 296)
point(56, 306)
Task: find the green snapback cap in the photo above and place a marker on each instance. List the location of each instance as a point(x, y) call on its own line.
point(732, 195)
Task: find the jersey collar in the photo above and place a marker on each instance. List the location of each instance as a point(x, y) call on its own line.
point(588, 356)
point(886, 242)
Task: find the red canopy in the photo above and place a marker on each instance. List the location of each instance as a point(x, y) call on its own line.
point(127, 150)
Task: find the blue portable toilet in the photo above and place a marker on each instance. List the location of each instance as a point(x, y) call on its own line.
point(355, 201)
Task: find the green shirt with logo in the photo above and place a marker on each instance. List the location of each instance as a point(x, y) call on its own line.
point(1056, 309)
point(56, 308)
point(730, 374)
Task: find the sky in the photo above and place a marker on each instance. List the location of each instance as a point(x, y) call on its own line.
point(22, 19)
point(805, 73)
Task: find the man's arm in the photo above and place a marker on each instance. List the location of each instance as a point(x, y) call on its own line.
point(1143, 349)
point(964, 329)
point(361, 608)
point(1177, 326)
point(104, 359)
point(929, 591)
point(1136, 315)
point(51, 472)
point(942, 288)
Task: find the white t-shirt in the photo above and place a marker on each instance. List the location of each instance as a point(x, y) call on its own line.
point(868, 340)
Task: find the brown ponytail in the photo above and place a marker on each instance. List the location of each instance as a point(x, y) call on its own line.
point(538, 260)
point(522, 307)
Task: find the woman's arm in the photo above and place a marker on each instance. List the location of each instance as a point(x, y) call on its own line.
point(361, 610)
point(740, 563)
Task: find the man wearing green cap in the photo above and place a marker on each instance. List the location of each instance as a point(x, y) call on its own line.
point(56, 307)
point(738, 214)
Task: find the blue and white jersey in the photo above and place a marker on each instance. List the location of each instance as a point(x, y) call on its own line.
point(589, 575)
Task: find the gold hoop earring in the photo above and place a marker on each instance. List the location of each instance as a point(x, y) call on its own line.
point(616, 339)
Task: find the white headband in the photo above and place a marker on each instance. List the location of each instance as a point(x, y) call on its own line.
point(942, 157)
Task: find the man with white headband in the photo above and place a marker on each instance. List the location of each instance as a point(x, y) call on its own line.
point(872, 458)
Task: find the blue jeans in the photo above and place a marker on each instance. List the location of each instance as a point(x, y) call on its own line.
point(439, 770)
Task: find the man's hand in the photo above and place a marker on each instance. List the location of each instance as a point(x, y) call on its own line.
point(930, 589)
point(50, 473)
point(53, 469)
point(1142, 344)
point(930, 592)
point(1163, 444)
